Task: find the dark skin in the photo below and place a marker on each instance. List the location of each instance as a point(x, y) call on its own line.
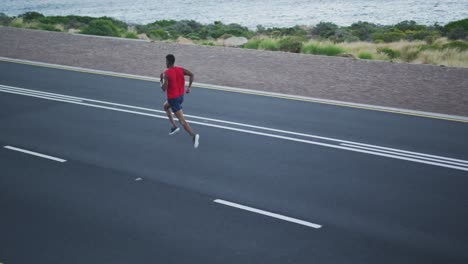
point(179, 114)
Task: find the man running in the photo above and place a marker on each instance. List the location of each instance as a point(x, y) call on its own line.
point(173, 83)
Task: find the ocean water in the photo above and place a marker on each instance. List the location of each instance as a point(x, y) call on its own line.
point(250, 13)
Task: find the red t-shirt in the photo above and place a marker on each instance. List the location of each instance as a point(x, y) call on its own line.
point(176, 85)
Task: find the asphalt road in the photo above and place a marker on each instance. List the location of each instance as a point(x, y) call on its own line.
point(344, 185)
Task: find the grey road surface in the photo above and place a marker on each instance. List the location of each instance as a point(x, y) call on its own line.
point(334, 184)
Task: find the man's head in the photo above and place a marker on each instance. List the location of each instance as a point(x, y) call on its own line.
point(170, 60)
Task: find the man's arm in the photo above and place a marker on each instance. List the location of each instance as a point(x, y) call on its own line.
point(166, 83)
point(163, 80)
point(190, 74)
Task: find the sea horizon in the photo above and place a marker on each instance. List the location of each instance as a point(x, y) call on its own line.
point(276, 13)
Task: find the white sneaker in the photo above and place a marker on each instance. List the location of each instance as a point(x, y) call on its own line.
point(196, 139)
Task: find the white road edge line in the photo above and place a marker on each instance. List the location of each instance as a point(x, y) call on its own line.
point(37, 95)
point(272, 135)
point(403, 154)
point(60, 99)
point(35, 154)
point(278, 216)
point(40, 92)
point(356, 144)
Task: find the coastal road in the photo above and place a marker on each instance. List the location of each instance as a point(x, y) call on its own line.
point(89, 174)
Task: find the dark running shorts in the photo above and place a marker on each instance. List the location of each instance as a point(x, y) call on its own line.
point(176, 103)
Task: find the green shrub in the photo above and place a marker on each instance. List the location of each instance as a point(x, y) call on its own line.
point(253, 43)
point(173, 34)
point(329, 50)
point(101, 27)
point(430, 47)
point(183, 27)
point(364, 30)
point(365, 56)
point(282, 32)
point(291, 44)
point(421, 35)
point(52, 20)
point(218, 29)
point(457, 33)
point(158, 34)
point(387, 37)
point(17, 23)
point(80, 19)
point(213, 30)
point(409, 25)
point(237, 30)
point(74, 22)
point(310, 49)
point(457, 24)
point(30, 16)
point(207, 43)
point(117, 23)
point(269, 44)
point(48, 27)
point(164, 23)
point(193, 36)
point(457, 29)
point(5, 20)
point(392, 54)
point(460, 45)
point(324, 29)
point(130, 35)
point(343, 35)
point(78, 22)
point(161, 24)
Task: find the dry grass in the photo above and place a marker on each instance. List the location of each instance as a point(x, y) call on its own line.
point(409, 53)
point(412, 52)
point(357, 48)
point(447, 57)
point(17, 22)
point(441, 41)
point(60, 27)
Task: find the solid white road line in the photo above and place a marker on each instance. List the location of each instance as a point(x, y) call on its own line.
point(54, 98)
point(407, 159)
point(355, 144)
point(373, 152)
point(62, 96)
point(278, 216)
point(405, 155)
point(35, 153)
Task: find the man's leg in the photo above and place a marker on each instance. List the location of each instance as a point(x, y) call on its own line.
point(167, 108)
point(180, 116)
point(195, 137)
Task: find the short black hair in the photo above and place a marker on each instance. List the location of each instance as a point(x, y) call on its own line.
point(170, 58)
